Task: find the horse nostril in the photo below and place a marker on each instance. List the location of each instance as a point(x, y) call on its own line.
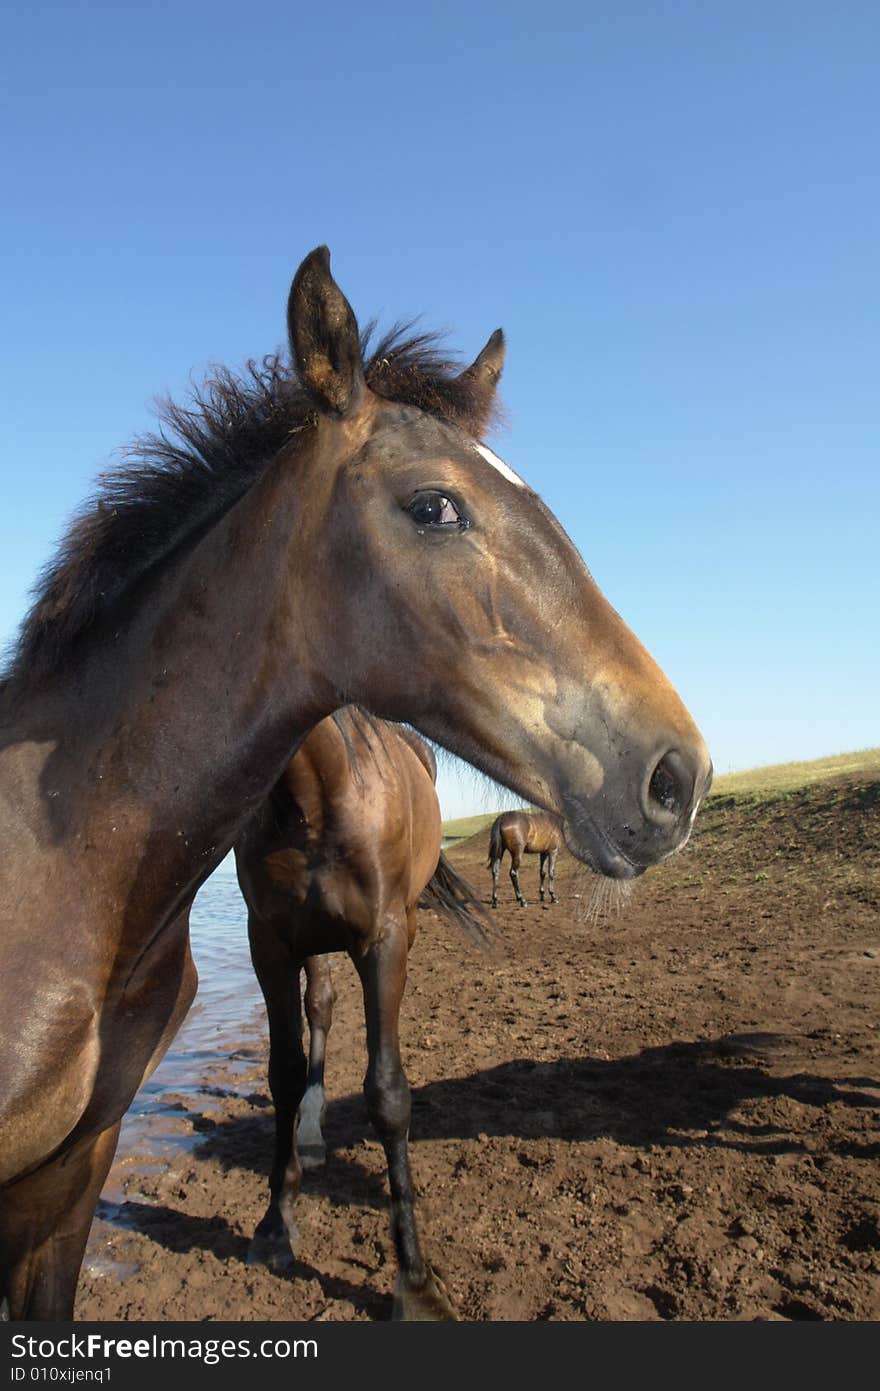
point(670, 787)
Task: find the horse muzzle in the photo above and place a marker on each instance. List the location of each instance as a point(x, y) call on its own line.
point(622, 830)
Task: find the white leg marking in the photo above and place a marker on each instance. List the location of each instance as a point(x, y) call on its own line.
point(309, 1136)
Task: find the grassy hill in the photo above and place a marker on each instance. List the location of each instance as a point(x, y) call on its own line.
point(779, 778)
point(463, 827)
point(755, 784)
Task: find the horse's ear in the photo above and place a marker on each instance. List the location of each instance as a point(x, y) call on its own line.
point(483, 375)
point(324, 338)
point(488, 365)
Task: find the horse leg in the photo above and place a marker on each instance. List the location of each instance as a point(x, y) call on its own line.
point(543, 872)
point(319, 999)
point(515, 862)
point(275, 1239)
point(44, 1226)
point(552, 866)
point(496, 865)
point(418, 1294)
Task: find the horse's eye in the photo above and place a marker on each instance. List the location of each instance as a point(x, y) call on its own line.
point(434, 510)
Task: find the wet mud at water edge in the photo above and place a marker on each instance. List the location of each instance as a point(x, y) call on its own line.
point(666, 1110)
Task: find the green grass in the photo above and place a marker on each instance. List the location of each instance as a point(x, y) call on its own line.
point(757, 783)
point(463, 826)
point(752, 785)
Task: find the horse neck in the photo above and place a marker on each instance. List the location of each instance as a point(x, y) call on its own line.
point(183, 723)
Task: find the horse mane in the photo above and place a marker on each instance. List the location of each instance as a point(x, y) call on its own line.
point(206, 454)
point(373, 732)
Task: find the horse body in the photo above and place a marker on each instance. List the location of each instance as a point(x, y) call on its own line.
point(524, 833)
point(305, 540)
point(310, 848)
point(336, 859)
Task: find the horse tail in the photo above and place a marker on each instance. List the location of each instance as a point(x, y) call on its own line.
point(496, 844)
point(450, 895)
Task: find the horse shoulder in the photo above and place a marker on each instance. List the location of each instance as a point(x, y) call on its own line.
point(53, 1028)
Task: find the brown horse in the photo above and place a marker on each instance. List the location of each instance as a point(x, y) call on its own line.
point(334, 860)
point(524, 833)
point(310, 536)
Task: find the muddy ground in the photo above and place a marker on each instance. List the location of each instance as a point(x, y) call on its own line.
point(666, 1111)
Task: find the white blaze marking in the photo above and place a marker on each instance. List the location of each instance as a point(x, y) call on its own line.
point(504, 469)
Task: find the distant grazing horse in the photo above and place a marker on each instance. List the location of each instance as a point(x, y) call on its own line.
point(335, 859)
point(309, 536)
point(524, 833)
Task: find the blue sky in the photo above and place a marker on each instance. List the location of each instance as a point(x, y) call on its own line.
point(672, 208)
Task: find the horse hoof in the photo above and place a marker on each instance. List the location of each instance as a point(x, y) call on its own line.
point(276, 1251)
point(312, 1156)
point(426, 1302)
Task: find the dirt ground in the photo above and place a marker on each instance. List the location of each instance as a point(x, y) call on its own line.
point(664, 1110)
